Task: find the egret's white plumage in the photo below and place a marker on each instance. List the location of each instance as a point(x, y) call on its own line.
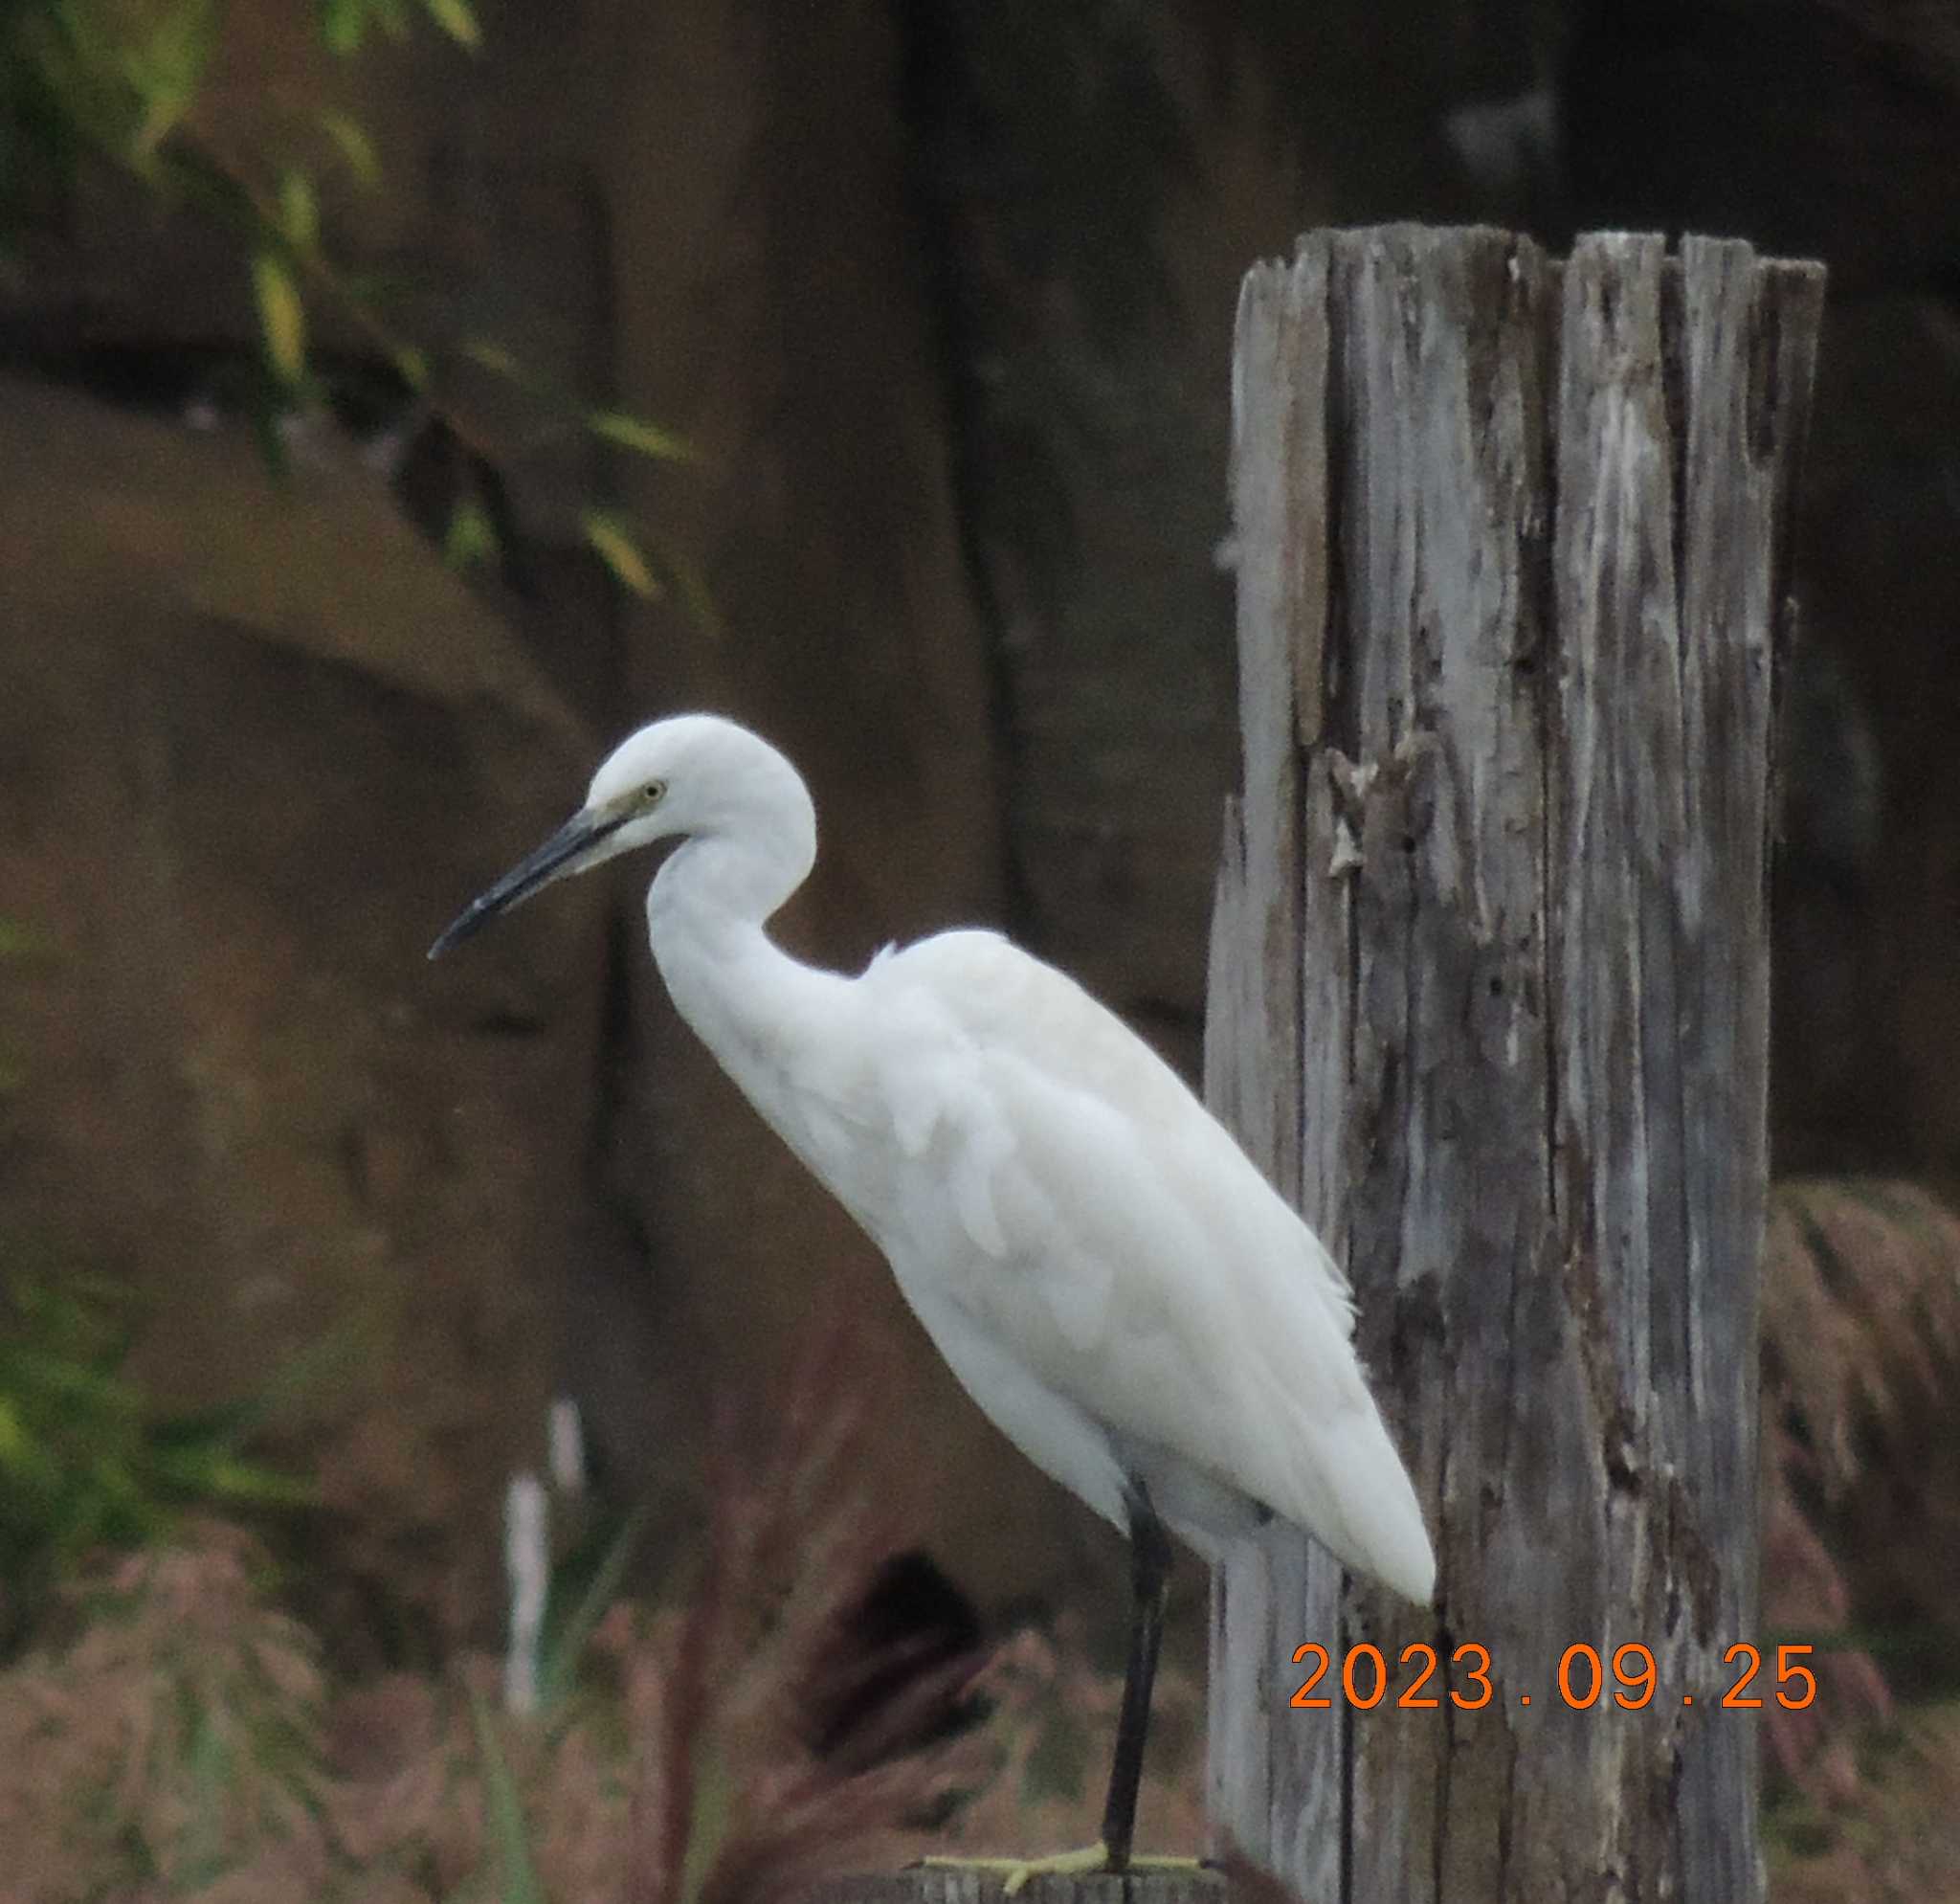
point(1107, 1274)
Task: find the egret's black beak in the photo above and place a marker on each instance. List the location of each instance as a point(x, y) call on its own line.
point(557, 857)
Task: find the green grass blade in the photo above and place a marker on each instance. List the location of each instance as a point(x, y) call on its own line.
point(568, 1643)
point(518, 1880)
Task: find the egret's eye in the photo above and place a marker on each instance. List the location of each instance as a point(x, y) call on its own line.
point(653, 793)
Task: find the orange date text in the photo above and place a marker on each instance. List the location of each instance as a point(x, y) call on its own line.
point(1422, 1680)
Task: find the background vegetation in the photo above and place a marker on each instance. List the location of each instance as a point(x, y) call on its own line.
point(397, 401)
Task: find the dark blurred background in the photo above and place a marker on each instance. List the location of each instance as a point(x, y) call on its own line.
point(322, 589)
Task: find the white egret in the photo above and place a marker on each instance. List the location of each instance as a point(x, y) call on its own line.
point(1109, 1277)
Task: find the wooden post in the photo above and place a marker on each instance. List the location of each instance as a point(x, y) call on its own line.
point(929, 1886)
point(1490, 994)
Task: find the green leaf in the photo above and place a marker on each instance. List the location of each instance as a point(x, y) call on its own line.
point(15, 1444)
point(617, 426)
point(344, 26)
point(208, 1763)
point(458, 20)
point(343, 22)
point(714, 1810)
point(299, 210)
point(218, 1476)
point(568, 1644)
point(85, 1390)
point(613, 542)
point(281, 315)
point(161, 111)
point(167, 70)
point(222, 1426)
point(413, 364)
point(517, 1875)
point(469, 537)
point(493, 356)
point(355, 146)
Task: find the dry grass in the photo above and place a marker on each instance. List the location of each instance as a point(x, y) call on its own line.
point(1860, 1326)
point(1861, 1466)
point(1896, 1841)
point(176, 1736)
point(1861, 1539)
point(184, 1745)
point(734, 1801)
point(1054, 1726)
point(171, 1747)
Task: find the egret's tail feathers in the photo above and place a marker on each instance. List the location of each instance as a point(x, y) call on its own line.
point(1396, 1549)
point(1360, 1506)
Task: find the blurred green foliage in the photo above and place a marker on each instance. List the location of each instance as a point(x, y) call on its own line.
point(119, 79)
point(509, 1829)
point(86, 1460)
point(118, 83)
point(587, 1582)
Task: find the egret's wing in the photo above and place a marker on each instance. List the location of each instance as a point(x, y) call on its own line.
point(1107, 1233)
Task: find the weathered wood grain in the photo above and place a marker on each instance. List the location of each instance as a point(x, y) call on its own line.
point(1253, 1021)
point(1511, 545)
point(923, 1885)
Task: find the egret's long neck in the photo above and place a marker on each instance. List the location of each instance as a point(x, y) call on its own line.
point(753, 1005)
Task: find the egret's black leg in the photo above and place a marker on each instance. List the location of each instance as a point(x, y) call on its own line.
point(1150, 1548)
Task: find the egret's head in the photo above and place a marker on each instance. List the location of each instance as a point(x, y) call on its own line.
point(691, 774)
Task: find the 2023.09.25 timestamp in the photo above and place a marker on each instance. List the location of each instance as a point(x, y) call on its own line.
point(1583, 1679)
